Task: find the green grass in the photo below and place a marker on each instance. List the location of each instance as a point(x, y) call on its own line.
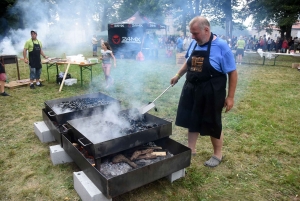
point(261, 145)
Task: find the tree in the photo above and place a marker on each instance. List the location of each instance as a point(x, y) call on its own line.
point(7, 19)
point(107, 11)
point(152, 9)
point(184, 12)
point(226, 13)
point(283, 13)
point(222, 12)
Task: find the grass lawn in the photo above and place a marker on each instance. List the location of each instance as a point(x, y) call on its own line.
point(261, 145)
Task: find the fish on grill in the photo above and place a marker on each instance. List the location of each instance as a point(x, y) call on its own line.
point(121, 158)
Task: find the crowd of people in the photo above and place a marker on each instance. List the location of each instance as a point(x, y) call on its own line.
point(151, 44)
point(280, 45)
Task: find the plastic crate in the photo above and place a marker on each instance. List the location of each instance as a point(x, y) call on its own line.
point(70, 81)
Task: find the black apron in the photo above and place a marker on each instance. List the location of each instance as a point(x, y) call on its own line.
point(35, 56)
point(203, 96)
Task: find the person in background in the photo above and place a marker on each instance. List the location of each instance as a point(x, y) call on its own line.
point(95, 45)
point(240, 45)
point(296, 44)
point(290, 45)
point(146, 46)
point(269, 43)
point(265, 43)
point(106, 56)
point(155, 45)
point(179, 44)
point(284, 45)
point(233, 41)
point(278, 44)
point(186, 43)
point(34, 48)
point(209, 61)
point(261, 43)
point(2, 79)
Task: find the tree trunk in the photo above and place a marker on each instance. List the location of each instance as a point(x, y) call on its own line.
point(285, 31)
point(197, 7)
point(104, 18)
point(185, 9)
point(288, 31)
point(228, 18)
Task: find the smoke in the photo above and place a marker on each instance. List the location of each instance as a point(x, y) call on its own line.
point(61, 24)
point(104, 126)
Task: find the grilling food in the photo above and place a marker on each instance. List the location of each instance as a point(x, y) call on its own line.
point(138, 153)
point(121, 158)
point(146, 156)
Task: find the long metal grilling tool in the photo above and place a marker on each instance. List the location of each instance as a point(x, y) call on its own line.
point(152, 105)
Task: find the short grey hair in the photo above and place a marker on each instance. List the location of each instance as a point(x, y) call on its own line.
point(202, 22)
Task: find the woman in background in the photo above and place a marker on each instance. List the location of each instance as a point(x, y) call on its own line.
point(2, 79)
point(106, 56)
point(284, 45)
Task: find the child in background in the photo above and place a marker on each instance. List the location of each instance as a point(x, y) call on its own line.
point(107, 55)
point(2, 79)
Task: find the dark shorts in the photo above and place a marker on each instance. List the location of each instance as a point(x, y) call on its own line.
point(240, 52)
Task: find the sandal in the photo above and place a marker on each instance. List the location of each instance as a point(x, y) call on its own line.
point(213, 162)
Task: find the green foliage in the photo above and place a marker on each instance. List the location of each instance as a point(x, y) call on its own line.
point(265, 13)
point(7, 19)
point(152, 9)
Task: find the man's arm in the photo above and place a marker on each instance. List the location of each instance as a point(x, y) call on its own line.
point(25, 55)
point(178, 75)
point(42, 53)
point(229, 101)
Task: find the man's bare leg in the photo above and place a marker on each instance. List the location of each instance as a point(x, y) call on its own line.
point(217, 145)
point(192, 140)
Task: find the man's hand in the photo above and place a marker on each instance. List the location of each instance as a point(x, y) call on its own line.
point(228, 103)
point(174, 80)
point(26, 61)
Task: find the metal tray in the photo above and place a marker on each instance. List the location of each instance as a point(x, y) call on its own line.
point(62, 117)
point(101, 144)
point(112, 187)
point(55, 129)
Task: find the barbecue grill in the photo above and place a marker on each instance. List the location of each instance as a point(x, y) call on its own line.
point(58, 111)
point(104, 146)
point(10, 59)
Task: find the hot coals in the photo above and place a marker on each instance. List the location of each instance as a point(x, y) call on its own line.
point(79, 104)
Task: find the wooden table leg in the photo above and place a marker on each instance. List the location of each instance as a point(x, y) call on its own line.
point(65, 75)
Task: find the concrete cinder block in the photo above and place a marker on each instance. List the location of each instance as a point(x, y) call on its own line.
point(58, 155)
point(86, 189)
point(176, 175)
point(43, 132)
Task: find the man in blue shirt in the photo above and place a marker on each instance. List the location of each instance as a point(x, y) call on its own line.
point(209, 61)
